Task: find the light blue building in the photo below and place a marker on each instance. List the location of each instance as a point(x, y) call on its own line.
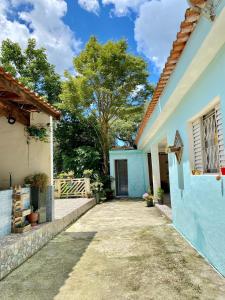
point(184, 122)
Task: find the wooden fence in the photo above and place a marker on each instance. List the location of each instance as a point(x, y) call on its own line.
point(68, 188)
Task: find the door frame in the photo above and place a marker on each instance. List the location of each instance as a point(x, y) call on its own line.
point(117, 177)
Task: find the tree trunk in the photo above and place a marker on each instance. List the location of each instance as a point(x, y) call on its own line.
point(106, 161)
point(105, 148)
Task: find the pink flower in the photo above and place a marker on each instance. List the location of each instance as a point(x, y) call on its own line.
point(146, 195)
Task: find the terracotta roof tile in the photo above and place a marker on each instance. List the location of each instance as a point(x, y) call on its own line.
point(37, 100)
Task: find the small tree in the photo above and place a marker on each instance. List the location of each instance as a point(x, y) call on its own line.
point(32, 68)
point(110, 84)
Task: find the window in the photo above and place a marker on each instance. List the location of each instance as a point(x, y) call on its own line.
point(208, 145)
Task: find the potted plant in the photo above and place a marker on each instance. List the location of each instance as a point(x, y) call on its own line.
point(38, 133)
point(28, 181)
point(87, 173)
point(40, 181)
point(33, 217)
point(66, 175)
point(149, 199)
point(97, 188)
point(222, 169)
point(109, 193)
point(40, 195)
point(160, 195)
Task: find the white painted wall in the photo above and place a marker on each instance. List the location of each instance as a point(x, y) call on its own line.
point(19, 158)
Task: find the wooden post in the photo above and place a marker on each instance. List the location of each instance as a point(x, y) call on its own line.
point(57, 190)
point(87, 187)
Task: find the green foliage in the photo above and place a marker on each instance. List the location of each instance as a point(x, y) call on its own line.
point(39, 180)
point(66, 175)
point(110, 84)
point(160, 193)
point(76, 145)
point(97, 185)
point(87, 173)
point(38, 133)
point(32, 68)
point(80, 159)
point(125, 129)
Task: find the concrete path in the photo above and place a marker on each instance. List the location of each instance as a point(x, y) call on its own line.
point(118, 250)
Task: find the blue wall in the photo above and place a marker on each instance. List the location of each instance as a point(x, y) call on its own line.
point(199, 208)
point(6, 210)
point(138, 181)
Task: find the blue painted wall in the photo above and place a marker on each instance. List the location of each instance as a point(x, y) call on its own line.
point(5, 212)
point(199, 208)
point(138, 181)
point(6, 209)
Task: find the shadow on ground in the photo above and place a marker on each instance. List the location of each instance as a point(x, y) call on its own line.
point(41, 276)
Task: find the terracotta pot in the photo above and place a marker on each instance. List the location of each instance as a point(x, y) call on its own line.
point(33, 218)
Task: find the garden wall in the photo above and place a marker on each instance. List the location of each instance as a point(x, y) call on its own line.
point(17, 248)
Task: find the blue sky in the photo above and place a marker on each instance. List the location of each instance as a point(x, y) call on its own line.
point(64, 26)
point(105, 26)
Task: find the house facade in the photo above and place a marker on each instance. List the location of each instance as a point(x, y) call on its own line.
point(20, 154)
point(185, 123)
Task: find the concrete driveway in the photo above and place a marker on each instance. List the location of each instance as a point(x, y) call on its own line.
point(118, 250)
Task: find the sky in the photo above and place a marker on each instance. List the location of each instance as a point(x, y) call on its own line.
point(64, 26)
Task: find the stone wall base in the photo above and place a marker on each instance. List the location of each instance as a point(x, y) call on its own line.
point(17, 248)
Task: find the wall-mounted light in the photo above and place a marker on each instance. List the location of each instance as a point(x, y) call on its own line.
point(11, 120)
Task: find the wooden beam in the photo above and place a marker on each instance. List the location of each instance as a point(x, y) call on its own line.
point(21, 116)
point(10, 86)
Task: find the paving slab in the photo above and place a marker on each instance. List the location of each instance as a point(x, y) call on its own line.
point(117, 250)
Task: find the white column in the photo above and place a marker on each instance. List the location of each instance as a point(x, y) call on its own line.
point(146, 171)
point(155, 168)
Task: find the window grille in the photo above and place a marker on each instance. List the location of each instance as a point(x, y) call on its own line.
point(208, 144)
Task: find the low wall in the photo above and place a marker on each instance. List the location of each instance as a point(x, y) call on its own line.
point(6, 210)
point(17, 248)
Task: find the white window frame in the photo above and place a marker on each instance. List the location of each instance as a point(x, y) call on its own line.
point(197, 145)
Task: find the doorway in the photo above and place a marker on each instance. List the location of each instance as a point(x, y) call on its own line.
point(121, 172)
point(164, 175)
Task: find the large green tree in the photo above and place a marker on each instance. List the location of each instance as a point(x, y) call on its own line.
point(76, 145)
point(110, 84)
point(31, 67)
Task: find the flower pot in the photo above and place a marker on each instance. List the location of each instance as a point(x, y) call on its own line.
point(160, 201)
point(97, 197)
point(222, 170)
point(150, 203)
point(33, 218)
point(109, 195)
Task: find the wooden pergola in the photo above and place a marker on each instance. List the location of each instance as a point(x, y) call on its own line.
point(18, 102)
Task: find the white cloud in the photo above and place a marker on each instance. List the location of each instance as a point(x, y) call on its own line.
point(90, 5)
point(156, 27)
point(123, 7)
point(42, 22)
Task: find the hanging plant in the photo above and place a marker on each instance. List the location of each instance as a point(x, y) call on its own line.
point(39, 133)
